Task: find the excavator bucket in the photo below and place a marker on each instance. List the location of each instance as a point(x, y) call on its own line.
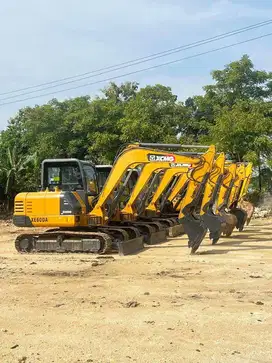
point(249, 208)
point(243, 204)
point(195, 229)
point(126, 240)
point(215, 224)
point(241, 216)
point(230, 221)
point(239, 190)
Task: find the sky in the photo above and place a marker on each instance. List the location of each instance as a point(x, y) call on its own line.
point(46, 40)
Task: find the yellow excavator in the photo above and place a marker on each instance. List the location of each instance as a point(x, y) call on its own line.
point(233, 188)
point(224, 197)
point(80, 215)
point(208, 214)
point(170, 183)
point(194, 221)
point(239, 190)
point(243, 202)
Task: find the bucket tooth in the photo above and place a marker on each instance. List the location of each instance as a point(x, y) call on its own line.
point(195, 229)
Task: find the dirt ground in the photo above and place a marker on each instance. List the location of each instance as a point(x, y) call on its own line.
point(161, 305)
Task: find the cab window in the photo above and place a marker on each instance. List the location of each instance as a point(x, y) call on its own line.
point(65, 176)
point(90, 177)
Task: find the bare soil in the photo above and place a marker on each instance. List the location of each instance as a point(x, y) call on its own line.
point(161, 305)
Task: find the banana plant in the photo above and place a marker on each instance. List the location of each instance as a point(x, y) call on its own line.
point(12, 169)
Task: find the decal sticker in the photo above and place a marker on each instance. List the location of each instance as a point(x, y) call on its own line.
point(161, 158)
point(179, 165)
point(39, 219)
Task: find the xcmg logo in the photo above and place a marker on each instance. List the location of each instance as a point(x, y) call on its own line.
point(180, 165)
point(161, 158)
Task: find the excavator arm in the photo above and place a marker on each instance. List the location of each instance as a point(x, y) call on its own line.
point(245, 204)
point(177, 190)
point(246, 182)
point(224, 196)
point(194, 227)
point(226, 186)
point(164, 184)
point(213, 221)
point(239, 213)
point(238, 183)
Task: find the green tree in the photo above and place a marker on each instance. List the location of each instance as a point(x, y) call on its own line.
point(245, 132)
point(100, 130)
point(152, 116)
point(239, 81)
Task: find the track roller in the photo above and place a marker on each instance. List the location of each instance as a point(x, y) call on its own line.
point(64, 241)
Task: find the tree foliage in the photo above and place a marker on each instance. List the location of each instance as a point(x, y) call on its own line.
point(235, 113)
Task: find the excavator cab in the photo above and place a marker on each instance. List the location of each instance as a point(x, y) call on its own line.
point(69, 175)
